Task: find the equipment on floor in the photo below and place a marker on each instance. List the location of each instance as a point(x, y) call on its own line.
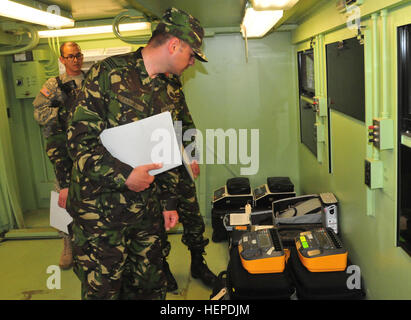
point(291, 251)
point(261, 251)
point(324, 285)
point(243, 285)
point(321, 250)
point(275, 189)
point(238, 220)
point(301, 209)
point(236, 223)
point(295, 215)
point(234, 195)
point(231, 198)
point(303, 213)
point(330, 216)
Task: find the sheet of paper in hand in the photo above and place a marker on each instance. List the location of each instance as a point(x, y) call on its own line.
point(150, 140)
point(59, 217)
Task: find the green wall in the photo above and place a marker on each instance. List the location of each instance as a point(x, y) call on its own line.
point(368, 218)
point(229, 92)
point(10, 198)
point(31, 163)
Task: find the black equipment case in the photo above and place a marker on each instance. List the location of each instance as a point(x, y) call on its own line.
point(280, 184)
point(243, 285)
point(234, 195)
point(321, 285)
point(219, 231)
point(276, 188)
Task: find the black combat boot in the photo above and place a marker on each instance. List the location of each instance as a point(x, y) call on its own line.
point(199, 269)
point(171, 281)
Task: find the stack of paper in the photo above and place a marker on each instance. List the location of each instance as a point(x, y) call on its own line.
point(150, 140)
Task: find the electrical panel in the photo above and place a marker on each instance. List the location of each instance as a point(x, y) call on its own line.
point(321, 105)
point(381, 134)
point(28, 75)
point(374, 174)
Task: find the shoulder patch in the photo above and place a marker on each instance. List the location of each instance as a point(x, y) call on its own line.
point(46, 92)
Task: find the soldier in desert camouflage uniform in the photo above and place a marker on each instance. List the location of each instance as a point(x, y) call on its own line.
point(118, 211)
point(51, 110)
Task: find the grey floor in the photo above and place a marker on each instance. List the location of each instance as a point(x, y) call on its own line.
point(27, 266)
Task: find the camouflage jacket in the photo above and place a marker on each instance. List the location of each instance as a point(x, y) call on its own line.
point(51, 110)
point(180, 113)
point(117, 91)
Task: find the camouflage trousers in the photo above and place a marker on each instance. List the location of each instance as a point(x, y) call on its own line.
point(189, 214)
point(121, 262)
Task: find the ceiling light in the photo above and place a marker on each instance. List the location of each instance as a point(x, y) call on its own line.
point(94, 30)
point(258, 23)
point(22, 12)
point(273, 4)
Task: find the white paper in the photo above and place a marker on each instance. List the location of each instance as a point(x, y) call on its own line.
point(59, 217)
point(150, 140)
point(239, 219)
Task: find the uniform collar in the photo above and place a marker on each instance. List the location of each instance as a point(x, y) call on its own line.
point(145, 78)
point(65, 77)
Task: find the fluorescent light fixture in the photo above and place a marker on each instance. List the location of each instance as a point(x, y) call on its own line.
point(21, 12)
point(258, 23)
point(94, 30)
point(273, 4)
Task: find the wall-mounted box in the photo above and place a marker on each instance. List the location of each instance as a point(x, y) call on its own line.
point(28, 77)
point(373, 173)
point(382, 133)
point(28, 72)
point(321, 106)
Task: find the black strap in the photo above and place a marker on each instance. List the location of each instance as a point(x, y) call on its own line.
point(59, 82)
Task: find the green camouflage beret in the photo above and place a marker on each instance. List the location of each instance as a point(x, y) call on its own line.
point(185, 27)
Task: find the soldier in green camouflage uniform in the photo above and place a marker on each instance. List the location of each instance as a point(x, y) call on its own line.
point(187, 203)
point(52, 107)
point(188, 207)
point(118, 211)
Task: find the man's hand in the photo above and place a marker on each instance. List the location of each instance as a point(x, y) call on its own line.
point(139, 179)
point(63, 198)
point(170, 219)
point(195, 168)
